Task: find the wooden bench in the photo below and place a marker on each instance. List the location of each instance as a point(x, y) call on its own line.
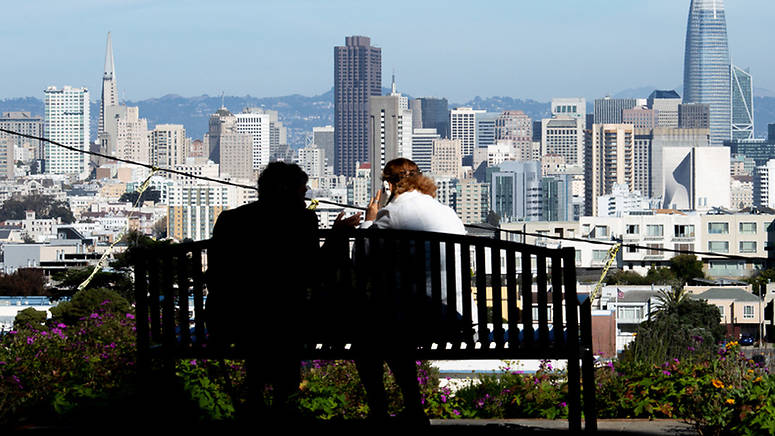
point(466, 280)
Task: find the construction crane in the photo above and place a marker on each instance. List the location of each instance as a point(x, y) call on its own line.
point(611, 257)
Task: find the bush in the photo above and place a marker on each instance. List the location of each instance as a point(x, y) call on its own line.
point(88, 301)
point(29, 318)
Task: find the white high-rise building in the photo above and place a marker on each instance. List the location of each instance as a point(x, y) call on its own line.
point(312, 159)
point(66, 121)
point(422, 147)
point(168, 144)
point(573, 107)
point(256, 123)
point(126, 134)
point(462, 124)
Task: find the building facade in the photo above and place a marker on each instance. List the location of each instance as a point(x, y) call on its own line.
point(66, 121)
point(742, 103)
point(357, 76)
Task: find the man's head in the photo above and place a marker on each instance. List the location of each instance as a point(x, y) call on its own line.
point(282, 182)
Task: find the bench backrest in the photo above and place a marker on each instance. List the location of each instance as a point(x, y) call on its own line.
point(467, 281)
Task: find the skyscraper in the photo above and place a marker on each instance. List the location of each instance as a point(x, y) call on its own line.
point(706, 65)
point(609, 110)
point(742, 103)
point(463, 123)
point(435, 115)
point(109, 95)
point(357, 76)
point(390, 132)
point(66, 120)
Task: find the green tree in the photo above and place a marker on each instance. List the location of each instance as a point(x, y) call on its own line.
point(69, 280)
point(44, 206)
point(24, 282)
point(29, 318)
point(686, 267)
point(88, 301)
point(626, 278)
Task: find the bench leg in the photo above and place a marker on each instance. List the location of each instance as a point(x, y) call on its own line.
point(574, 394)
point(590, 406)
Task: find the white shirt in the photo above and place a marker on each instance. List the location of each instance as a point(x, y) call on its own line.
point(414, 210)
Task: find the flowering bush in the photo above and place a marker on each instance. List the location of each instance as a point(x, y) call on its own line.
point(56, 367)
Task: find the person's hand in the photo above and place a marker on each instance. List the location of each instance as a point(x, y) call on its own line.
point(373, 208)
point(350, 222)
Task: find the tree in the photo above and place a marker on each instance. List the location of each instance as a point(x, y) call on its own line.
point(69, 280)
point(24, 282)
point(160, 228)
point(686, 267)
point(86, 302)
point(148, 195)
point(29, 317)
point(44, 206)
point(683, 328)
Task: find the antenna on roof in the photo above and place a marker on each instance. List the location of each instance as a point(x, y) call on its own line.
point(222, 106)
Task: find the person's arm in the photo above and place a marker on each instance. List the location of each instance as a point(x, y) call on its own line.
point(380, 218)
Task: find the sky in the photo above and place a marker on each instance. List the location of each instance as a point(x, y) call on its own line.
point(454, 49)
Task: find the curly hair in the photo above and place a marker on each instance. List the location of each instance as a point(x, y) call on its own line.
point(406, 176)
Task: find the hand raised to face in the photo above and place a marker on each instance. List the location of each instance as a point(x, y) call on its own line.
point(373, 208)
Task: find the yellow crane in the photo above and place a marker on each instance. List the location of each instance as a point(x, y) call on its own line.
point(611, 257)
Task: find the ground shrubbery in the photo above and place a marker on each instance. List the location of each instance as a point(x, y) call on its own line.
point(83, 359)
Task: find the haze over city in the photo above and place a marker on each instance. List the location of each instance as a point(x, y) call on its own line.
point(453, 49)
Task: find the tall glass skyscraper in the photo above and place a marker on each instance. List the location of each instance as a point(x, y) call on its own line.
point(706, 65)
point(742, 103)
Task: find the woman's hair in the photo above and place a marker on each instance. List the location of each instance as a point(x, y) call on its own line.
point(280, 182)
point(406, 176)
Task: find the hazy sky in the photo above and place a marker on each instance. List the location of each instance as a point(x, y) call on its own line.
point(457, 49)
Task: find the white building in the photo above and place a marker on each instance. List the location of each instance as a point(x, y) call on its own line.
point(168, 145)
point(422, 147)
point(255, 122)
point(312, 160)
point(462, 124)
point(763, 194)
point(695, 178)
point(66, 121)
point(565, 137)
point(620, 201)
point(573, 107)
point(126, 134)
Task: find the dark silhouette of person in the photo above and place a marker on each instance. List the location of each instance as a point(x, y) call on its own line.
point(259, 276)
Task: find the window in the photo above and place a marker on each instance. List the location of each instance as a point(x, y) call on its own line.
point(654, 249)
point(599, 256)
point(578, 257)
point(630, 313)
point(721, 311)
point(601, 231)
point(747, 227)
point(632, 229)
point(748, 311)
point(684, 231)
point(684, 247)
point(718, 228)
point(748, 246)
point(718, 246)
point(654, 230)
point(548, 313)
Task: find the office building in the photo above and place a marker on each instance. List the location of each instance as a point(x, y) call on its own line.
point(693, 116)
point(312, 159)
point(256, 123)
point(742, 103)
point(472, 201)
point(565, 137)
point(7, 162)
point(463, 127)
point(66, 121)
point(515, 191)
point(390, 132)
point(652, 142)
point(228, 147)
point(759, 150)
point(609, 110)
point(422, 147)
point(435, 115)
point(557, 198)
point(763, 192)
point(696, 178)
point(323, 137)
point(26, 124)
point(517, 127)
point(357, 76)
point(641, 117)
point(706, 65)
point(109, 96)
point(610, 159)
point(741, 192)
point(194, 208)
point(446, 158)
point(126, 134)
point(169, 145)
point(771, 133)
point(485, 128)
point(665, 104)
point(573, 107)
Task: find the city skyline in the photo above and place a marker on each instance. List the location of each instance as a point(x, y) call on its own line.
point(436, 52)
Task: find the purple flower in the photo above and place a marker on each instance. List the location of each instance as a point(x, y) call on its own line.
point(30, 340)
point(130, 316)
point(455, 411)
point(61, 326)
point(94, 316)
point(44, 333)
point(563, 404)
point(443, 398)
point(192, 362)
point(690, 348)
point(666, 372)
point(105, 302)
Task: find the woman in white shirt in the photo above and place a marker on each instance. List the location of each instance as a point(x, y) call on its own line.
point(411, 206)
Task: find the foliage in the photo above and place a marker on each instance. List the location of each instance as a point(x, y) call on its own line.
point(206, 383)
point(24, 282)
point(116, 280)
point(626, 278)
point(517, 395)
point(662, 276)
point(86, 302)
point(686, 267)
point(29, 318)
point(49, 371)
point(676, 331)
point(45, 206)
point(148, 195)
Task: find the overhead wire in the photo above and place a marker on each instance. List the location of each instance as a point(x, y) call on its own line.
point(349, 206)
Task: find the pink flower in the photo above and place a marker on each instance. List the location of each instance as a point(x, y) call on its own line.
point(192, 362)
point(130, 316)
point(666, 372)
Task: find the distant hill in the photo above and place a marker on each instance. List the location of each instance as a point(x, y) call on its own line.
point(301, 113)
